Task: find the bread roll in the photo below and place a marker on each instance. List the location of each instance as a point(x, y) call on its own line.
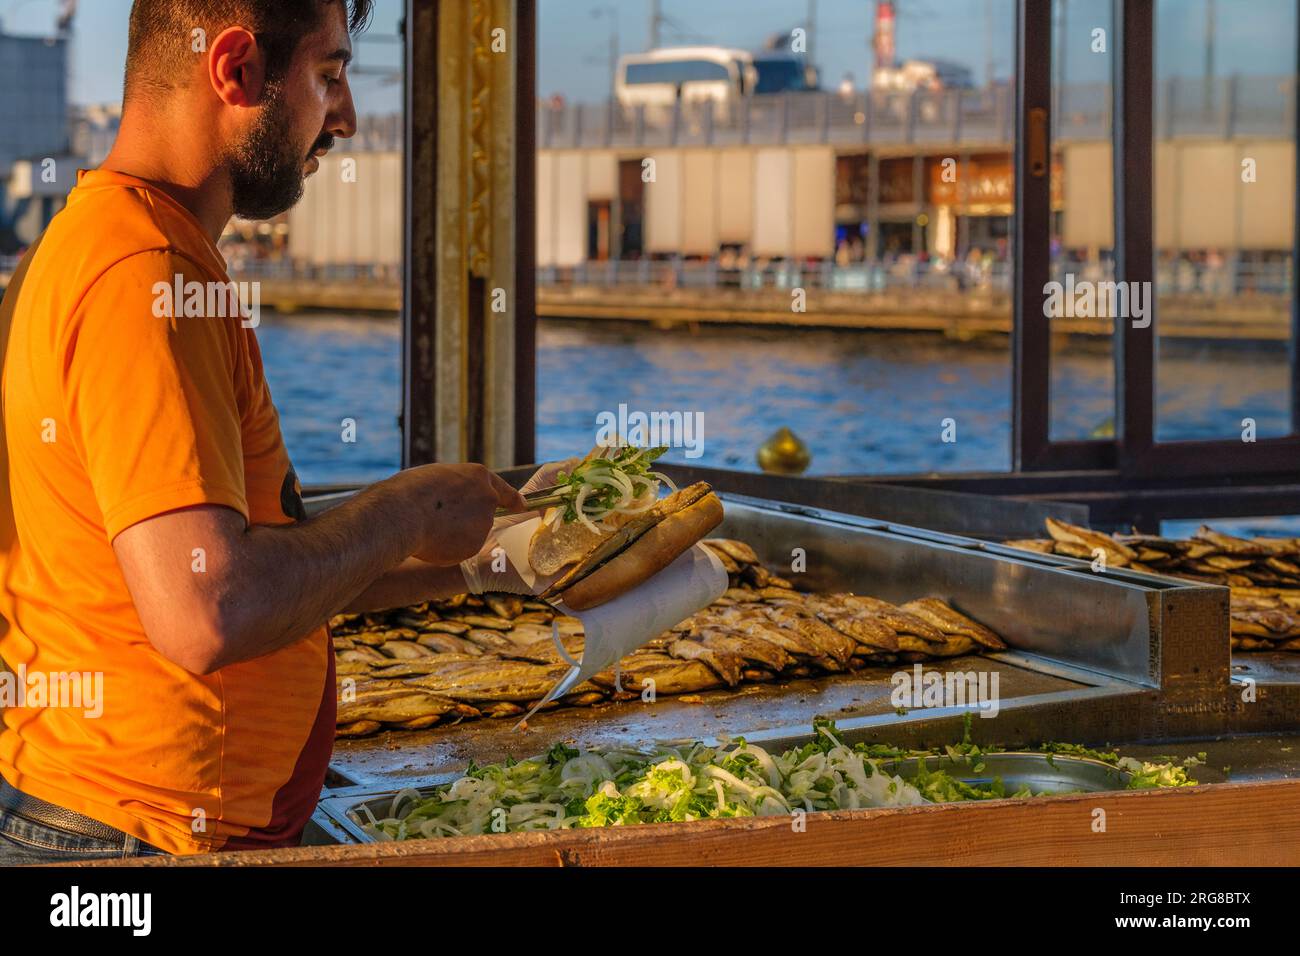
point(646, 556)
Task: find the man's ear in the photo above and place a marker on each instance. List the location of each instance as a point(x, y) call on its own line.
point(237, 67)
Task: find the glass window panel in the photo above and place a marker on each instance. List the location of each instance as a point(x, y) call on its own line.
point(834, 261)
point(1225, 178)
point(1083, 233)
point(676, 71)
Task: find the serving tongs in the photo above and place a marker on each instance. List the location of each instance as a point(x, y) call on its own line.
point(555, 494)
point(539, 499)
point(558, 494)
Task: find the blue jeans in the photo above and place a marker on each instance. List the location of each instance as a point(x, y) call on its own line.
point(24, 841)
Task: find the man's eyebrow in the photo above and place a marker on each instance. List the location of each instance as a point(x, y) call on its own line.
point(341, 54)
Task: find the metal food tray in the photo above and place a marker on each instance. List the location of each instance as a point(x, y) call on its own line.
point(1043, 774)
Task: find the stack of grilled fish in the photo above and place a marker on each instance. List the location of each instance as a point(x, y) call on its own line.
point(1263, 573)
point(495, 655)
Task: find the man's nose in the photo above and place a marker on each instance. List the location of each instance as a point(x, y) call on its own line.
point(342, 120)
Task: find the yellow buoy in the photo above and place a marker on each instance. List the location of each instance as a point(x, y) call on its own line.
point(784, 454)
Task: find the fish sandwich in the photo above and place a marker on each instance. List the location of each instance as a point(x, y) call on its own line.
point(627, 555)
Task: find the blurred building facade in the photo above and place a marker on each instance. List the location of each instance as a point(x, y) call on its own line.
point(35, 169)
point(918, 172)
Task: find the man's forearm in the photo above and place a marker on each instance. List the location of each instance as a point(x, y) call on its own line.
point(411, 582)
point(289, 580)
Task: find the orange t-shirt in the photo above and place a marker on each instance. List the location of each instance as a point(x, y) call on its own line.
point(116, 411)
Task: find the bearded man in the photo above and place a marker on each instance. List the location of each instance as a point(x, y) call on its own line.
point(152, 531)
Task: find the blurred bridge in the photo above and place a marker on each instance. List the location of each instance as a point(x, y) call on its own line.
point(1226, 108)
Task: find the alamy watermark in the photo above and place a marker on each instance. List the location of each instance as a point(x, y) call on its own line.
point(652, 429)
point(73, 909)
point(917, 689)
point(208, 300)
point(75, 690)
point(1085, 299)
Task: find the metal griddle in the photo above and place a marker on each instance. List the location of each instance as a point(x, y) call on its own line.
point(1079, 639)
point(754, 710)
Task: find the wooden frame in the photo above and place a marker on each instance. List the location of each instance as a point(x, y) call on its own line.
point(1032, 446)
point(1132, 89)
point(420, 285)
point(1030, 335)
point(526, 235)
point(1295, 250)
point(420, 270)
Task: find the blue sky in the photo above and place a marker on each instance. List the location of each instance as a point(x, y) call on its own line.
point(1253, 36)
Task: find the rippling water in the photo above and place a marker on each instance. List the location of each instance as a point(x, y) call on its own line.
point(862, 402)
point(324, 370)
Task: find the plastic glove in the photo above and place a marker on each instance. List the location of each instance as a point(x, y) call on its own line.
point(490, 569)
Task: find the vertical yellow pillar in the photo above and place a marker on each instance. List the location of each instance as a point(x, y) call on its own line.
point(475, 232)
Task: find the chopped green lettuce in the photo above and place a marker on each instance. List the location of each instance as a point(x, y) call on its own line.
point(570, 787)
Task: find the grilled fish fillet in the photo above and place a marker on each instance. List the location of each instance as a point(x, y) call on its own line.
point(753, 649)
point(489, 621)
point(507, 606)
point(447, 627)
point(495, 679)
point(737, 550)
point(670, 676)
point(865, 627)
point(363, 655)
point(833, 644)
point(413, 668)
point(953, 622)
point(900, 620)
point(1117, 554)
point(358, 728)
point(450, 644)
point(544, 651)
point(1030, 544)
point(405, 650)
point(789, 640)
point(726, 664)
point(955, 646)
point(1230, 545)
point(489, 640)
point(393, 706)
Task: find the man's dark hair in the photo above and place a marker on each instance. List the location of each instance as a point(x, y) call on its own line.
point(162, 34)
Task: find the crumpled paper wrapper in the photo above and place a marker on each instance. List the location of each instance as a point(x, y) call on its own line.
point(616, 628)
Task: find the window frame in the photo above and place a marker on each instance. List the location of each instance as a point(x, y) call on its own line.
point(1134, 452)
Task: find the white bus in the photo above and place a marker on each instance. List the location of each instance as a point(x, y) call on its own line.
point(697, 73)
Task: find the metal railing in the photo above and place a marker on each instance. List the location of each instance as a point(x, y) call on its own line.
point(292, 270)
point(1230, 277)
point(1225, 108)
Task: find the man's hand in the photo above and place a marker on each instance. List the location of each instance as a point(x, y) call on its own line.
point(490, 571)
point(454, 506)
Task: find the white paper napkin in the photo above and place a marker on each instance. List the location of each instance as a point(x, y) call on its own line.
point(614, 629)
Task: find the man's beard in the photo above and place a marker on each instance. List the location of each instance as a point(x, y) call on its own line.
point(266, 172)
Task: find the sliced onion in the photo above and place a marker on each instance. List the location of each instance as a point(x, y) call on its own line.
point(582, 496)
point(613, 480)
point(660, 476)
